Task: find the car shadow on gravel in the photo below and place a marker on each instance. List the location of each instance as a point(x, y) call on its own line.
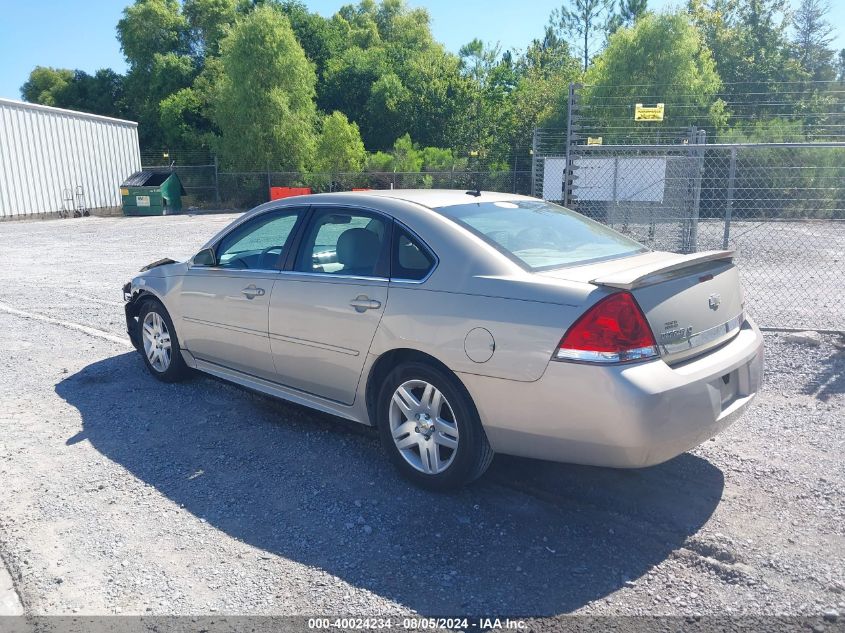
point(530, 538)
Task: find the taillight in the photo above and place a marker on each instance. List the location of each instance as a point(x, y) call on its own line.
point(614, 330)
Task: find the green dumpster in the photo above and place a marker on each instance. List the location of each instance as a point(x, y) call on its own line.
point(152, 192)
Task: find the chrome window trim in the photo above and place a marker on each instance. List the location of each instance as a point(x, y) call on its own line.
point(321, 204)
point(330, 276)
point(264, 271)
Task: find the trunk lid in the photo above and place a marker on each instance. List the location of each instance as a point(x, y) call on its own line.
point(692, 302)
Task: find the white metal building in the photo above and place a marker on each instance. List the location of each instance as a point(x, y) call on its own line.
point(54, 160)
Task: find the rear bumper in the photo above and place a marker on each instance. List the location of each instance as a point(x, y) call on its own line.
point(624, 416)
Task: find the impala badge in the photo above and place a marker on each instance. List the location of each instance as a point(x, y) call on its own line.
point(673, 332)
point(714, 301)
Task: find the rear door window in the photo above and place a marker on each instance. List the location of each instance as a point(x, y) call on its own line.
point(347, 242)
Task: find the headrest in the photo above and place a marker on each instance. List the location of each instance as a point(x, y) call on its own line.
point(358, 248)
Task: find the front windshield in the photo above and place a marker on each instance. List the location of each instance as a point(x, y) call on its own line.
point(541, 235)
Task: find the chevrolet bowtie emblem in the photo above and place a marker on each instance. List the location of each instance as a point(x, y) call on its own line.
point(714, 301)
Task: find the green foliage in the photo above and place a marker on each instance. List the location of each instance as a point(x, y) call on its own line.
point(813, 35)
point(320, 37)
point(748, 39)
point(46, 85)
point(102, 93)
point(389, 75)
point(582, 21)
point(254, 80)
point(667, 56)
point(152, 27)
point(539, 95)
point(264, 102)
point(207, 22)
point(627, 13)
point(339, 147)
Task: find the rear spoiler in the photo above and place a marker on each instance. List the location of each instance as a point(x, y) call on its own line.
point(659, 271)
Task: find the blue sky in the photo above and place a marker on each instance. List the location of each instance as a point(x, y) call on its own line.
point(81, 33)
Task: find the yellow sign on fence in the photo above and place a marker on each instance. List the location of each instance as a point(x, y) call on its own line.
point(594, 140)
point(648, 113)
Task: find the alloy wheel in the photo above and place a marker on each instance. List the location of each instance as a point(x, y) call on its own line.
point(423, 426)
point(156, 341)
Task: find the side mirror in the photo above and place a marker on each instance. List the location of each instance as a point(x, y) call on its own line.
point(205, 257)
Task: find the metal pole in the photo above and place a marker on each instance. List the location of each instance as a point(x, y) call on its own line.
point(268, 181)
point(216, 182)
point(613, 207)
point(534, 163)
point(700, 140)
point(730, 202)
point(567, 165)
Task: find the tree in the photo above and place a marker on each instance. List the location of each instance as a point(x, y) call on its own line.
point(390, 76)
point(101, 93)
point(539, 96)
point(490, 82)
point(319, 37)
point(813, 35)
point(582, 19)
point(626, 15)
point(47, 85)
point(207, 22)
point(663, 56)
point(749, 42)
point(149, 28)
point(840, 66)
point(264, 103)
point(339, 147)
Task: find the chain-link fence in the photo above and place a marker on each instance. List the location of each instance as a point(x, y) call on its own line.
point(780, 207)
point(755, 168)
point(207, 186)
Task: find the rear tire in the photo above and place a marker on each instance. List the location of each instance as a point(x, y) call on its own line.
point(430, 428)
point(159, 345)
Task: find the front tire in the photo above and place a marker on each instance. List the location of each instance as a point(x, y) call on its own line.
point(159, 343)
point(430, 428)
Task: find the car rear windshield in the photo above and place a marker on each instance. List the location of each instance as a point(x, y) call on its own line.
point(540, 235)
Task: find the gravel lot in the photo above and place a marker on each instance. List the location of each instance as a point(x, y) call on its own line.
point(119, 494)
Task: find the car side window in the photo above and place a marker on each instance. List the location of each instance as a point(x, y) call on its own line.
point(410, 259)
point(344, 242)
point(259, 244)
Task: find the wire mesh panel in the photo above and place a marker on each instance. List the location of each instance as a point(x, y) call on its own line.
point(652, 194)
point(759, 168)
point(781, 207)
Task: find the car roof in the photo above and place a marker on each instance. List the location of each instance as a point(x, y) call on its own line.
point(431, 198)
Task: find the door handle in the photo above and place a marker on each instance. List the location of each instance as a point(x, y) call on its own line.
point(251, 291)
point(362, 303)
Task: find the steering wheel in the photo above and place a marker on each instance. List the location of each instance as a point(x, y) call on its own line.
point(266, 252)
